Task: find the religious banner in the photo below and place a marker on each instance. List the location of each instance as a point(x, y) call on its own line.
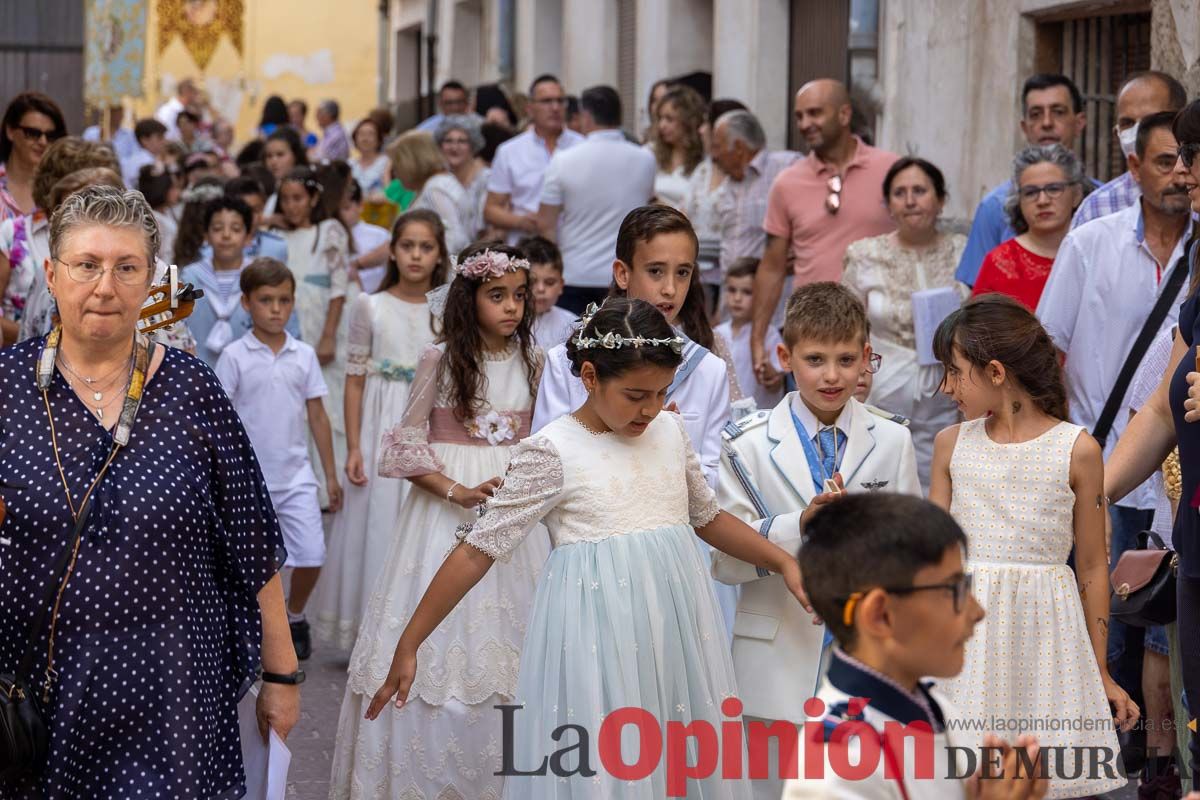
point(114, 51)
point(199, 25)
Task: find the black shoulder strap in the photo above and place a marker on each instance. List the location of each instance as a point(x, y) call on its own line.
point(1166, 299)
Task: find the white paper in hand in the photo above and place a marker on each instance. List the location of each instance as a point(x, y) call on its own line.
point(930, 307)
point(266, 764)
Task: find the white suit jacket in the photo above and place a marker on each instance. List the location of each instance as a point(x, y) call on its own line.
point(765, 482)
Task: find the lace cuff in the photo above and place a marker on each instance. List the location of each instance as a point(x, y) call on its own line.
point(405, 453)
point(358, 359)
point(532, 483)
point(701, 513)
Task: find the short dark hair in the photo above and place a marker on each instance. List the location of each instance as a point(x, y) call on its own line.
point(1048, 80)
point(1187, 124)
point(624, 317)
point(227, 203)
point(1150, 123)
point(243, 185)
point(190, 116)
point(264, 271)
point(723, 105)
point(645, 222)
point(825, 312)
point(155, 184)
point(744, 267)
point(931, 171)
point(604, 104)
point(354, 191)
point(145, 128)
point(1176, 94)
point(540, 250)
point(452, 85)
point(545, 77)
point(869, 540)
point(303, 105)
point(21, 105)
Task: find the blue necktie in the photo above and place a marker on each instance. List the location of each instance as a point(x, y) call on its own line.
point(829, 440)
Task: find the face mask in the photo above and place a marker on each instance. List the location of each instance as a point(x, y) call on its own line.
point(1128, 138)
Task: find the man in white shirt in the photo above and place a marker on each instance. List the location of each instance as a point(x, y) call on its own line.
point(1105, 281)
point(582, 205)
point(186, 95)
point(515, 184)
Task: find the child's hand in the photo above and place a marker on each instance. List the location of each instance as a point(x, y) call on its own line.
point(1125, 711)
point(399, 681)
point(1010, 783)
point(790, 570)
point(326, 350)
point(334, 490)
point(470, 498)
point(824, 498)
point(770, 378)
point(1192, 404)
point(355, 472)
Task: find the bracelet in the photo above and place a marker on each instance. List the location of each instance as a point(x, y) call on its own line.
point(450, 492)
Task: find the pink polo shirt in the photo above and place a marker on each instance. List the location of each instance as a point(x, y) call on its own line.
point(796, 210)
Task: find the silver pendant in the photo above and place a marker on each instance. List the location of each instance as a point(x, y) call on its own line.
point(100, 413)
point(97, 396)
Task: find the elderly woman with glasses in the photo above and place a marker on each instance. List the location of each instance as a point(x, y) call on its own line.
point(139, 552)
point(1048, 185)
point(884, 272)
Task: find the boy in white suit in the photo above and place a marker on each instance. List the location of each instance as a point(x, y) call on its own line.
point(772, 466)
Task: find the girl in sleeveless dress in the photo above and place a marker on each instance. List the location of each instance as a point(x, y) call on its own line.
point(470, 404)
point(1026, 486)
point(625, 614)
point(389, 330)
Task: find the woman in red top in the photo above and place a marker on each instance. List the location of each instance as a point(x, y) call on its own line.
point(1048, 185)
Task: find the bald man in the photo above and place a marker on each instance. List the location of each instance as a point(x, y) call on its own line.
point(1141, 95)
point(818, 205)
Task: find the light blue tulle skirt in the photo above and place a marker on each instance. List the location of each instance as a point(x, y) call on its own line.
point(630, 621)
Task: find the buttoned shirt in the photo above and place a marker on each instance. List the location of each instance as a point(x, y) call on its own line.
point(519, 168)
point(1118, 194)
point(334, 143)
point(1102, 287)
point(270, 392)
point(742, 206)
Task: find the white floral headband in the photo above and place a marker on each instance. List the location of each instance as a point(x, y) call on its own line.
point(615, 341)
point(202, 194)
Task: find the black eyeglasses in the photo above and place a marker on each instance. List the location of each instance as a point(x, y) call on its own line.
point(1187, 153)
point(1052, 190)
point(33, 134)
point(959, 589)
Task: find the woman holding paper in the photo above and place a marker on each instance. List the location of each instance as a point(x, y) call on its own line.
point(903, 278)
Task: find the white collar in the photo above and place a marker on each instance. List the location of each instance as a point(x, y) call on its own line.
point(254, 343)
point(810, 422)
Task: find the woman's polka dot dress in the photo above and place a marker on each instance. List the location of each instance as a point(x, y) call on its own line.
point(159, 631)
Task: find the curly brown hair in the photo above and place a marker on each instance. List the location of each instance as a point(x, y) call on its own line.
point(692, 110)
point(65, 156)
point(461, 367)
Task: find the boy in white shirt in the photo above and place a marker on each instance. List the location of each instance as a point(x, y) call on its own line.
point(553, 324)
point(274, 382)
point(738, 297)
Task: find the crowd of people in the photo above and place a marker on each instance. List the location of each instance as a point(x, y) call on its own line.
point(419, 353)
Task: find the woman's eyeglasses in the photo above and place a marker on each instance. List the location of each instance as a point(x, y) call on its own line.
point(34, 134)
point(127, 273)
point(833, 202)
point(1052, 190)
point(1187, 153)
point(959, 590)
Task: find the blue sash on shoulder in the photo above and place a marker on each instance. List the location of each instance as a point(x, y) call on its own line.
point(693, 354)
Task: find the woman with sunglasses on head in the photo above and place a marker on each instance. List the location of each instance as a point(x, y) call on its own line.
point(1048, 185)
point(32, 122)
point(883, 272)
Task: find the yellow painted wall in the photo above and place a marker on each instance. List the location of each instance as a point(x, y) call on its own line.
point(309, 49)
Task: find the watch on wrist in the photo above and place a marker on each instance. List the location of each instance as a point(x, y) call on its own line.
point(288, 679)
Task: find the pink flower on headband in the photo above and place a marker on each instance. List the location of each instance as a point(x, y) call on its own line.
point(488, 265)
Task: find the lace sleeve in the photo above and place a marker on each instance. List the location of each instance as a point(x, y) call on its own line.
point(532, 484)
point(336, 249)
point(404, 448)
point(358, 339)
point(722, 351)
point(702, 500)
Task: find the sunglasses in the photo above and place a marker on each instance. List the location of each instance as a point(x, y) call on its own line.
point(33, 134)
point(1187, 153)
point(959, 589)
point(833, 202)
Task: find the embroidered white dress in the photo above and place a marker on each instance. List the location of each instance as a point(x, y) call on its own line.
point(1030, 662)
point(446, 742)
point(387, 336)
point(319, 258)
point(625, 613)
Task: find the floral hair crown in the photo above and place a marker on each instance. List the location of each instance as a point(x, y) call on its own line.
point(202, 194)
point(615, 341)
point(490, 264)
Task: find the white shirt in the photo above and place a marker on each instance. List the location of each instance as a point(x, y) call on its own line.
point(366, 238)
point(1102, 287)
point(518, 168)
point(596, 183)
point(552, 328)
point(168, 114)
point(270, 391)
point(743, 363)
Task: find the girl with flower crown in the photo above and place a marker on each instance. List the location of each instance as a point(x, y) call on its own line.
point(623, 616)
point(389, 329)
point(471, 400)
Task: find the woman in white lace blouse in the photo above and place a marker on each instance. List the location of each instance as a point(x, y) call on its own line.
point(885, 272)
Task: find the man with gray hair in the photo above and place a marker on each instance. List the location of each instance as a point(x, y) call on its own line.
point(334, 142)
point(739, 149)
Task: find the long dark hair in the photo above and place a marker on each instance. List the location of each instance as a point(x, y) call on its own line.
point(21, 105)
point(307, 178)
point(461, 365)
point(995, 327)
point(274, 112)
point(192, 229)
point(292, 139)
point(334, 177)
point(423, 216)
point(1187, 131)
point(643, 224)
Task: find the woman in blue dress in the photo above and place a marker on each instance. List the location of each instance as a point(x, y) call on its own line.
point(174, 598)
point(624, 613)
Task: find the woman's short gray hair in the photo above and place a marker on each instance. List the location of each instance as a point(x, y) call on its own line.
point(1055, 154)
point(470, 124)
point(104, 205)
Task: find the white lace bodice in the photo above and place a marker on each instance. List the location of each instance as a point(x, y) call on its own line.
point(387, 336)
point(587, 487)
